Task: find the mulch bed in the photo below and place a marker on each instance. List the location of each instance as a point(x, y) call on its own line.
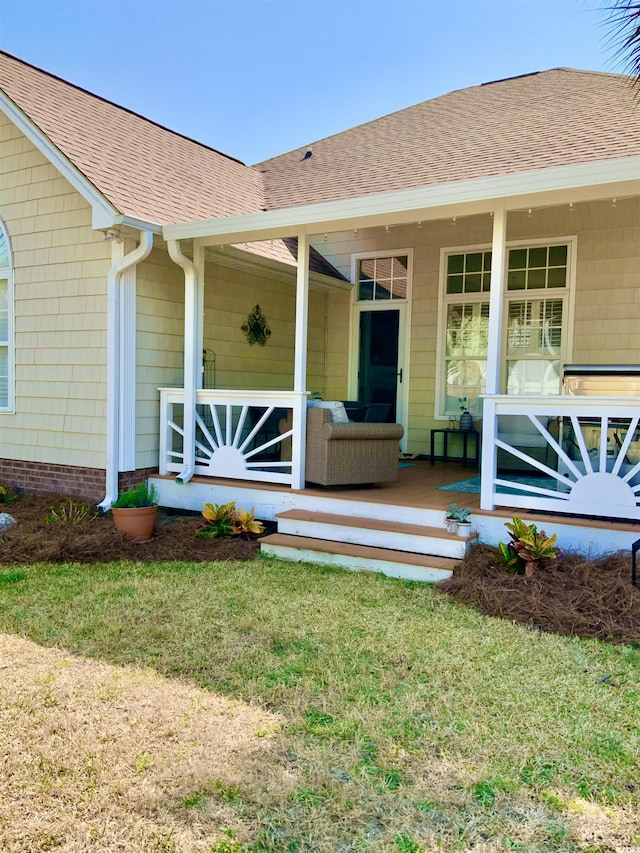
point(35, 540)
point(575, 597)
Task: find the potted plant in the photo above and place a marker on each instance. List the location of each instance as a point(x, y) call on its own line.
point(451, 519)
point(457, 520)
point(466, 418)
point(134, 512)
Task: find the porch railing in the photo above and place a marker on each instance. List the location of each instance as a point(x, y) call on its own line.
point(237, 434)
point(575, 455)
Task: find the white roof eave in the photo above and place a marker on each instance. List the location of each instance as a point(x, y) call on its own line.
point(554, 185)
point(103, 213)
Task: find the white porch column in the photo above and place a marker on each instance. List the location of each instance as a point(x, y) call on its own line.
point(198, 262)
point(300, 364)
point(192, 355)
point(496, 302)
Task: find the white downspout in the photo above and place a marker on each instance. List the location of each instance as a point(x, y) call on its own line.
point(192, 357)
point(118, 266)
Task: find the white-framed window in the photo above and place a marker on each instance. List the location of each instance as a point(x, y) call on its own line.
point(6, 323)
point(536, 330)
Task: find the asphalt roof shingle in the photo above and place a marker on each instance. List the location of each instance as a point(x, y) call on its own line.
point(550, 118)
point(143, 169)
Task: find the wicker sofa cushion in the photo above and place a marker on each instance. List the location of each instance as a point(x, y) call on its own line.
point(351, 453)
point(336, 409)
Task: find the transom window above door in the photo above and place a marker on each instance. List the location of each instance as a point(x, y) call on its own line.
point(382, 278)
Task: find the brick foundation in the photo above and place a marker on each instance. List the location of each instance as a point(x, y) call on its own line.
point(42, 478)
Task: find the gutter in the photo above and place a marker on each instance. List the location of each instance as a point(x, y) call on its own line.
point(114, 275)
point(190, 362)
point(576, 182)
point(139, 224)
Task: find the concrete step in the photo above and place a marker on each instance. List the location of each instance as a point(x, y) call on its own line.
point(376, 533)
point(418, 567)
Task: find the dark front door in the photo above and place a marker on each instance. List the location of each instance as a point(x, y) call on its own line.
point(378, 358)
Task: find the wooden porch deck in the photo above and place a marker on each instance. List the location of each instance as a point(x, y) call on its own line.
point(418, 486)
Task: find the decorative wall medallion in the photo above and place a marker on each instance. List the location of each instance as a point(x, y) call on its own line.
point(255, 328)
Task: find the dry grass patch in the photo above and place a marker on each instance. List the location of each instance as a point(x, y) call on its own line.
point(104, 758)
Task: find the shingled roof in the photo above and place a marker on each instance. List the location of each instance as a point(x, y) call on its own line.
point(142, 169)
point(550, 118)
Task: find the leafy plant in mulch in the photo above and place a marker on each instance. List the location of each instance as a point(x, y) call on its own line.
point(34, 538)
point(528, 549)
point(8, 494)
point(245, 524)
point(224, 520)
point(575, 596)
point(71, 512)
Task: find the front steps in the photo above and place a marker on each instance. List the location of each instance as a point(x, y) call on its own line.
point(409, 551)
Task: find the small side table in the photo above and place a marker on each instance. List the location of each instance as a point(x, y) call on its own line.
point(446, 432)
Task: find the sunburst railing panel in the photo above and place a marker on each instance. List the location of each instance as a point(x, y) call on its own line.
point(577, 455)
point(239, 435)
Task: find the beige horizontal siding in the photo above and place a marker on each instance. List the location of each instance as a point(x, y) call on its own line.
point(230, 294)
point(60, 275)
point(607, 298)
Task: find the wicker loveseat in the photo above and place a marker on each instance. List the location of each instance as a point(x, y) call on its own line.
point(339, 454)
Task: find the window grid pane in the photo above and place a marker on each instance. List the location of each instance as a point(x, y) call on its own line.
point(468, 273)
point(534, 328)
point(465, 359)
point(382, 278)
point(4, 311)
point(534, 318)
point(537, 268)
point(4, 250)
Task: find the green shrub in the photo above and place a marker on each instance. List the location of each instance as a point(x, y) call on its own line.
point(136, 496)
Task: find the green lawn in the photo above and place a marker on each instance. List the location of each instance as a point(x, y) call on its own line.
point(411, 723)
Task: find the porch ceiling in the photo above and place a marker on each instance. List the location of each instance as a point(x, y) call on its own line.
point(538, 188)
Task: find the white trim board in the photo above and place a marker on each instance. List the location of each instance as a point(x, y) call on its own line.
point(103, 212)
point(538, 187)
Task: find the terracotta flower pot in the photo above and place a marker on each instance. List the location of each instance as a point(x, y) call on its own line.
point(135, 522)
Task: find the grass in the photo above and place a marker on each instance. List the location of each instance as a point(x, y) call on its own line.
point(411, 723)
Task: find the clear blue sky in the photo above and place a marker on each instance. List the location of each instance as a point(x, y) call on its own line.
point(255, 78)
